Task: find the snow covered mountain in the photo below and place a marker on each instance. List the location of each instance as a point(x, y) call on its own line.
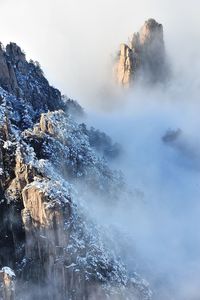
point(49, 248)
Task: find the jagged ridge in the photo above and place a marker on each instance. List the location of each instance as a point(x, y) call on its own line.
point(54, 249)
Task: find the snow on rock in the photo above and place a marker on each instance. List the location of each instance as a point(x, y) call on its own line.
point(45, 159)
point(8, 271)
point(7, 279)
point(1, 171)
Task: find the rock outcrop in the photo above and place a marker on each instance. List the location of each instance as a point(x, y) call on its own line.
point(47, 161)
point(7, 280)
point(143, 57)
point(25, 80)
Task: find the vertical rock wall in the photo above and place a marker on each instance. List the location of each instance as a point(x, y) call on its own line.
point(144, 57)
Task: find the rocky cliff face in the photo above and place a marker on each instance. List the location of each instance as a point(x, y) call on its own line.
point(21, 78)
point(143, 57)
point(47, 161)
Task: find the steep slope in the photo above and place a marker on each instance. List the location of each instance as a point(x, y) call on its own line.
point(26, 80)
point(143, 57)
point(47, 160)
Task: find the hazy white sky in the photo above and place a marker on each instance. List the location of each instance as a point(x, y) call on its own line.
point(74, 39)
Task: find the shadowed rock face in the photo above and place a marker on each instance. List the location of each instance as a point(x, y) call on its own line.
point(143, 57)
point(25, 80)
point(47, 160)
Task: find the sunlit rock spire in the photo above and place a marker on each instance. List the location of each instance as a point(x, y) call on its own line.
point(143, 57)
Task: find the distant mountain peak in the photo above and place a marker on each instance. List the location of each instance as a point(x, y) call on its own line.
point(143, 57)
